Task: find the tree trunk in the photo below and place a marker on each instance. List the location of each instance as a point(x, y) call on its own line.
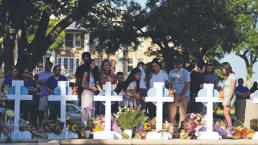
point(9, 43)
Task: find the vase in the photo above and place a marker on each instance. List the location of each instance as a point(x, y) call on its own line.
point(129, 132)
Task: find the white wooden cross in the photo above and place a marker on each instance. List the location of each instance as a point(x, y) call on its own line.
point(158, 96)
point(18, 97)
point(63, 97)
point(254, 96)
point(208, 95)
point(108, 98)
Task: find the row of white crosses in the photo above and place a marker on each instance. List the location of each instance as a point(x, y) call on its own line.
point(61, 96)
point(156, 94)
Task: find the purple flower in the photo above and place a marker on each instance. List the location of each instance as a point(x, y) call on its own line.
point(115, 127)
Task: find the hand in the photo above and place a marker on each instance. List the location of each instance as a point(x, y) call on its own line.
point(143, 98)
point(94, 89)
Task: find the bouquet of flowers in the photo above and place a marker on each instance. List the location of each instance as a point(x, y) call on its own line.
point(98, 123)
point(129, 118)
point(144, 128)
point(238, 132)
point(221, 127)
point(24, 125)
point(243, 133)
point(53, 126)
point(254, 124)
point(8, 127)
point(191, 126)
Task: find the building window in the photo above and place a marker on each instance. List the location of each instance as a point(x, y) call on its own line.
point(65, 63)
point(78, 40)
point(59, 62)
point(77, 62)
point(130, 64)
point(71, 63)
point(140, 60)
point(69, 40)
point(97, 61)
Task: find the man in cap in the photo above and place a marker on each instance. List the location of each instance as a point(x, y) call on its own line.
point(180, 81)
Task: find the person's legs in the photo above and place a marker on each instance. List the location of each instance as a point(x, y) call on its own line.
point(172, 112)
point(183, 109)
point(227, 115)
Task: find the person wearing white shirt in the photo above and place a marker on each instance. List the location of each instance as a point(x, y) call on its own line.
point(156, 75)
point(143, 88)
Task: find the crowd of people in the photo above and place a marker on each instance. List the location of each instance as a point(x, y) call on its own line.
point(90, 80)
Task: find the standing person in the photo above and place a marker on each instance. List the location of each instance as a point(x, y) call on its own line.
point(26, 106)
point(90, 88)
point(86, 56)
point(106, 75)
point(52, 83)
point(143, 88)
point(196, 83)
point(229, 84)
point(120, 82)
point(156, 75)
point(209, 75)
point(180, 81)
point(13, 75)
point(254, 88)
point(241, 91)
point(43, 90)
point(131, 89)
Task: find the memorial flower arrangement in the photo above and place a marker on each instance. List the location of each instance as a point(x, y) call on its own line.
point(192, 124)
point(148, 126)
point(51, 126)
point(98, 123)
point(238, 132)
point(24, 125)
point(128, 118)
point(9, 125)
point(243, 133)
point(75, 126)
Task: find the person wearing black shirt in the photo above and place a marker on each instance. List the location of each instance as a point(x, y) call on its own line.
point(86, 56)
point(195, 85)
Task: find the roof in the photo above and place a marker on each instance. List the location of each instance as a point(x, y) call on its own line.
point(74, 26)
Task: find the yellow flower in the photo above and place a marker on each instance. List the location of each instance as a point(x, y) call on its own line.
point(10, 113)
point(98, 128)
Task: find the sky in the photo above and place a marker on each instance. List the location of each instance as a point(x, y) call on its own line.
point(236, 62)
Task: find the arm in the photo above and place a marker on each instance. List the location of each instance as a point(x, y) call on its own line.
point(186, 87)
point(85, 84)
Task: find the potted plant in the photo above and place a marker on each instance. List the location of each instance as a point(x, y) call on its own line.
point(129, 119)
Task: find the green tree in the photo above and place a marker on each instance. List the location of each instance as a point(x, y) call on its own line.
point(246, 16)
point(192, 28)
point(31, 20)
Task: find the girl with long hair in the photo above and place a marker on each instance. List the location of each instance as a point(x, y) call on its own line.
point(229, 83)
point(131, 89)
point(90, 88)
point(106, 75)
